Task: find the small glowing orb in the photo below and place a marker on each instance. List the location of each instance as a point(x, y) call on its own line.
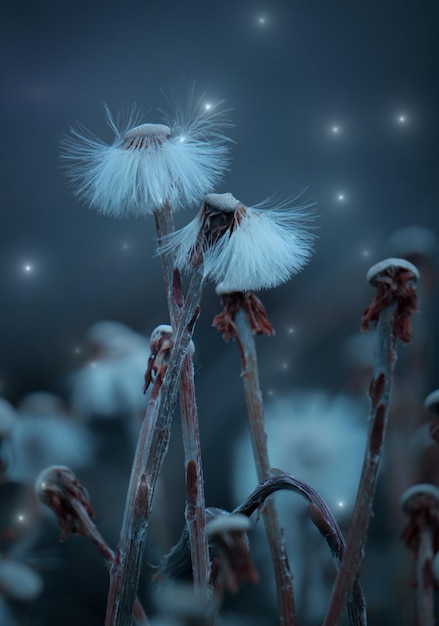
point(291, 330)
point(125, 246)
point(335, 129)
point(340, 504)
point(28, 268)
point(365, 253)
point(182, 139)
point(207, 106)
point(77, 350)
point(20, 518)
point(341, 197)
point(284, 365)
point(402, 119)
point(262, 20)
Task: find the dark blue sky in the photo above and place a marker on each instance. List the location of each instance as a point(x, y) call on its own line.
point(289, 80)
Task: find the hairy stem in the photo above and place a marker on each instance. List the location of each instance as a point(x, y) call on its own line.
point(150, 452)
point(253, 397)
point(139, 616)
point(384, 365)
point(195, 502)
point(424, 576)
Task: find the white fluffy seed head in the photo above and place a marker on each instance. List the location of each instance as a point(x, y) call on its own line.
point(261, 248)
point(147, 165)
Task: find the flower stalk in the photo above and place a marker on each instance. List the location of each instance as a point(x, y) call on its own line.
point(195, 502)
point(391, 309)
point(421, 535)
point(241, 328)
point(150, 452)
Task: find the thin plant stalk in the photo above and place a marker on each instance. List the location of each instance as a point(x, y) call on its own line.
point(424, 575)
point(253, 397)
point(150, 452)
point(395, 301)
point(384, 365)
point(195, 501)
point(139, 616)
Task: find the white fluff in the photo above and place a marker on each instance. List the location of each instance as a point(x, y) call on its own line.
point(180, 169)
point(47, 438)
point(19, 581)
point(318, 438)
point(7, 418)
point(112, 384)
point(266, 247)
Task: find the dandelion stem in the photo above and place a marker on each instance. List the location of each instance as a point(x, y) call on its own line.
point(92, 531)
point(150, 452)
point(391, 309)
point(424, 575)
point(253, 397)
point(195, 502)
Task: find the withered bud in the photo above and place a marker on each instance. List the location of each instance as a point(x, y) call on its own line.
point(58, 488)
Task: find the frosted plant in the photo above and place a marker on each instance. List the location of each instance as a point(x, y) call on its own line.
point(244, 248)
point(111, 384)
point(43, 435)
point(148, 165)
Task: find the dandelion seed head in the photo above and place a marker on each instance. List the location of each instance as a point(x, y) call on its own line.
point(145, 135)
point(148, 164)
point(243, 248)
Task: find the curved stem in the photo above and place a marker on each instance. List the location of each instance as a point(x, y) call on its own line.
point(322, 518)
point(384, 365)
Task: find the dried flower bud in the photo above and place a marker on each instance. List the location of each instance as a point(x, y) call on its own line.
point(418, 497)
point(228, 545)
point(395, 280)
point(58, 488)
point(379, 270)
point(161, 343)
point(233, 565)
